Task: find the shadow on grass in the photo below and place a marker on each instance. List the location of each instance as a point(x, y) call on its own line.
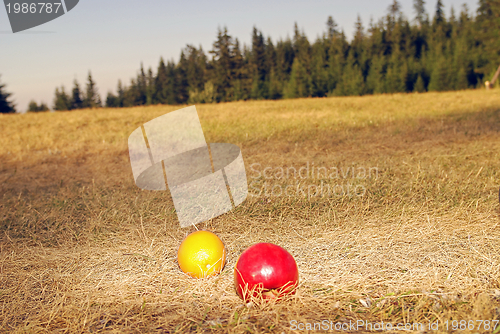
point(47, 196)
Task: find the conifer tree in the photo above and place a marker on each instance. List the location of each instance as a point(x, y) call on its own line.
point(196, 67)
point(299, 84)
point(130, 94)
point(284, 60)
point(116, 101)
point(461, 61)
point(181, 80)
point(111, 101)
point(161, 84)
point(142, 84)
point(150, 85)
point(275, 85)
point(301, 47)
point(420, 12)
point(61, 100)
point(121, 95)
point(170, 84)
point(259, 87)
point(419, 85)
point(337, 54)
point(76, 97)
point(461, 81)
point(439, 15)
point(357, 44)
point(91, 98)
point(270, 61)
point(331, 27)
point(223, 65)
point(6, 105)
point(375, 81)
point(165, 84)
point(241, 75)
point(439, 74)
point(352, 81)
point(394, 10)
point(319, 74)
point(397, 72)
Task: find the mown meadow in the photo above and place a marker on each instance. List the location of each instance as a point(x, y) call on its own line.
point(82, 249)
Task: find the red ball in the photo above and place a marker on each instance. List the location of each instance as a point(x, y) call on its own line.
point(265, 271)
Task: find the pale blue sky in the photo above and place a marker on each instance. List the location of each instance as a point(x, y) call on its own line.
point(112, 37)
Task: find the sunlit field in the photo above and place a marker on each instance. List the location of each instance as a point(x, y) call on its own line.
point(388, 203)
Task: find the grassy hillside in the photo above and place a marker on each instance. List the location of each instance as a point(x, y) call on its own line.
point(408, 233)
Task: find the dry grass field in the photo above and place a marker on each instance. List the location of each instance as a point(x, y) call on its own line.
point(412, 236)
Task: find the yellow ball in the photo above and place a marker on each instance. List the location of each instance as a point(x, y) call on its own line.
point(201, 254)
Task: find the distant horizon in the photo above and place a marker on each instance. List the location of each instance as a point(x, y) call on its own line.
point(120, 37)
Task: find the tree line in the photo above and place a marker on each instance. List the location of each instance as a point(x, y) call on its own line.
point(78, 99)
point(393, 55)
